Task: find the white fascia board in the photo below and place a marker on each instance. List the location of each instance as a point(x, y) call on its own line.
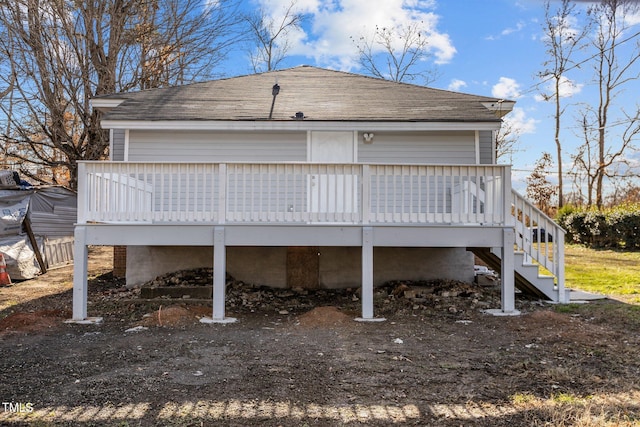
point(298, 125)
point(500, 108)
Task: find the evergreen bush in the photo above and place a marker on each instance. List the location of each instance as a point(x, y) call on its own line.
point(616, 228)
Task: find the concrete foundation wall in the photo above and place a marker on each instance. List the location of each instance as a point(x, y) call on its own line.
point(338, 266)
point(341, 266)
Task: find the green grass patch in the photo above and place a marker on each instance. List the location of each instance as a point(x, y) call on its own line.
point(566, 398)
point(603, 271)
point(626, 316)
point(523, 399)
point(568, 308)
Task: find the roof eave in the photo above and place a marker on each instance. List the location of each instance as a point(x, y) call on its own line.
point(106, 104)
point(500, 107)
point(300, 125)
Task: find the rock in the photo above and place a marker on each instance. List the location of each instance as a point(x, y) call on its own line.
point(136, 329)
point(486, 280)
point(402, 288)
point(394, 296)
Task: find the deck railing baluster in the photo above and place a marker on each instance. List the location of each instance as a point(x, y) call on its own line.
point(297, 193)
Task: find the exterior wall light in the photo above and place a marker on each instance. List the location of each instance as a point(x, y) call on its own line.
point(368, 138)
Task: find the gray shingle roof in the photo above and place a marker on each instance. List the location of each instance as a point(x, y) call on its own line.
point(321, 94)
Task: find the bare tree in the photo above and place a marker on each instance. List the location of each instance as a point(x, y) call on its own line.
point(628, 192)
point(561, 40)
point(63, 53)
point(180, 41)
point(624, 191)
point(588, 166)
point(507, 139)
point(612, 74)
point(585, 168)
point(268, 40)
point(397, 53)
point(9, 81)
point(539, 189)
point(7, 84)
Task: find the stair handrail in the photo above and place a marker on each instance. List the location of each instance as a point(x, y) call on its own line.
point(540, 238)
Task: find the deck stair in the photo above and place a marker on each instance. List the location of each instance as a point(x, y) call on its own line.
point(539, 252)
point(527, 276)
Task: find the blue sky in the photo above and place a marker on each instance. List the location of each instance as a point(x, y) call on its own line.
point(484, 47)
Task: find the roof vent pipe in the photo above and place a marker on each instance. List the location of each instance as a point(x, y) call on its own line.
point(275, 90)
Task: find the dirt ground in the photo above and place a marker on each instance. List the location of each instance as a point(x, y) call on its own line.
point(299, 359)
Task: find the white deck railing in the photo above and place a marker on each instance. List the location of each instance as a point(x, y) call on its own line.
point(539, 237)
point(312, 193)
point(293, 193)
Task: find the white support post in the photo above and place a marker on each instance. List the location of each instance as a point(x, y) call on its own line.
point(80, 284)
point(219, 279)
point(508, 219)
point(366, 194)
point(563, 297)
point(367, 277)
point(507, 276)
point(222, 193)
point(83, 194)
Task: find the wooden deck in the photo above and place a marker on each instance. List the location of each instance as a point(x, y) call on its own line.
point(305, 204)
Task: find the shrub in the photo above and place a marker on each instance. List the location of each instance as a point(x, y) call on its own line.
point(576, 229)
point(626, 220)
point(562, 218)
point(618, 227)
point(600, 232)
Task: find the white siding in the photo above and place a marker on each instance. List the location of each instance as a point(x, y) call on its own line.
point(117, 153)
point(456, 147)
point(203, 146)
point(486, 147)
point(453, 147)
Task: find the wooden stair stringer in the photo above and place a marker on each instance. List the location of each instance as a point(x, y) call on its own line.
point(527, 277)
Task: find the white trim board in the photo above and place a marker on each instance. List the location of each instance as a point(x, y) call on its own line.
point(298, 125)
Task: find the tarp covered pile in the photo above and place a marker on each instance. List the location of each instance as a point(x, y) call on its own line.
point(51, 211)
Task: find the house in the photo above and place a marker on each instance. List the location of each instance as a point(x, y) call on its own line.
point(309, 177)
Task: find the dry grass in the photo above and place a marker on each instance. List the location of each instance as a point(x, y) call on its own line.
point(563, 410)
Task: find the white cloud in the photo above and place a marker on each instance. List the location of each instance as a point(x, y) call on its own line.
point(441, 47)
point(333, 24)
point(519, 26)
point(632, 18)
point(211, 4)
point(518, 121)
point(506, 88)
point(568, 88)
point(456, 85)
point(566, 28)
